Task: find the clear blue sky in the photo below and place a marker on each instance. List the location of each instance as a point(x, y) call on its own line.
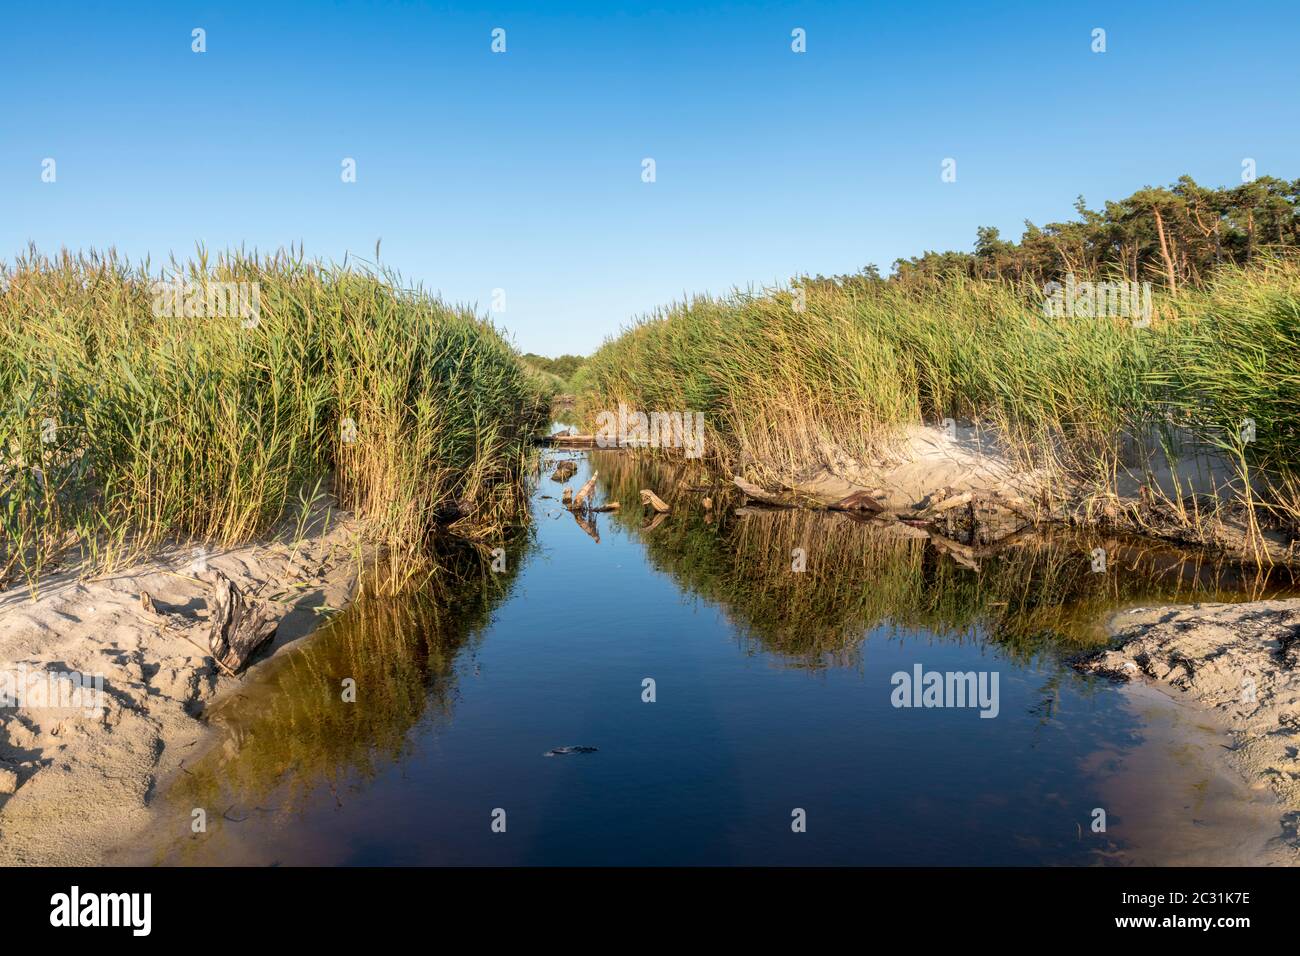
point(522, 170)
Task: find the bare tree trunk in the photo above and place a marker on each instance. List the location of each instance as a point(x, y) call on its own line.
point(1164, 251)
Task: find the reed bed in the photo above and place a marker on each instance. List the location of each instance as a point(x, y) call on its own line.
point(789, 380)
point(124, 426)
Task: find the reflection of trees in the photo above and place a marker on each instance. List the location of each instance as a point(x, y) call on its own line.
point(1037, 594)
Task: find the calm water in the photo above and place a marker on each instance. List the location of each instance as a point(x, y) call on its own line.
point(773, 693)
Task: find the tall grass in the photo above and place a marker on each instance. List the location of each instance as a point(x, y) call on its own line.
point(122, 428)
point(780, 384)
point(789, 386)
point(1236, 358)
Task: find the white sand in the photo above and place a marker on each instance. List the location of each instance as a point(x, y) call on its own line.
point(925, 461)
point(83, 778)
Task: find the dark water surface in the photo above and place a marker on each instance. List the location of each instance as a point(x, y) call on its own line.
point(773, 694)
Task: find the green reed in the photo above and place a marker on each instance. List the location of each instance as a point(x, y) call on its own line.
point(790, 379)
point(124, 426)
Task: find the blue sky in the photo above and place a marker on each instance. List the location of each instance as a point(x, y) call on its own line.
point(522, 171)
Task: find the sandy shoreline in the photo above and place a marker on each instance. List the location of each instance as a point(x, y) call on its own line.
point(75, 779)
point(1171, 798)
point(1194, 500)
point(1235, 664)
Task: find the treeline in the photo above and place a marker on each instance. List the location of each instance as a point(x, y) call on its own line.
point(1172, 237)
point(564, 366)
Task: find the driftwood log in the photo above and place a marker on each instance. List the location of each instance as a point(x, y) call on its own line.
point(570, 441)
point(947, 504)
point(752, 490)
point(240, 625)
point(975, 518)
point(584, 492)
point(651, 499)
point(861, 501)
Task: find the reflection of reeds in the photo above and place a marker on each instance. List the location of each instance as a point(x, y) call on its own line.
point(291, 731)
point(1039, 593)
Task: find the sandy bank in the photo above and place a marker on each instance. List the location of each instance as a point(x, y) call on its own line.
point(74, 777)
point(1238, 661)
point(1194, 499)
point(924, 461)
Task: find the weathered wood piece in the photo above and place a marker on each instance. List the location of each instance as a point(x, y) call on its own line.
point(240, 625)
point(752, 490)
point(570, 441)
point(860, 501)
point(947, 504)
point(584, 491)
point(651, 499)
point(147, 605)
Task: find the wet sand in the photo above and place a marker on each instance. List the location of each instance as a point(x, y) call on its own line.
point(1174, 801)
point(1229, 673)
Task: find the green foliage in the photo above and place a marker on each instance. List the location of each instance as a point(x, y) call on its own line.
point(123, 426)
point(781, 381)
point(1173, 236)
point(563, 368)
point(788, 380)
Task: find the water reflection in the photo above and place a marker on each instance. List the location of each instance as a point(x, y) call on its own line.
point(293, 759)
point(334, 712)
point(1037, 593)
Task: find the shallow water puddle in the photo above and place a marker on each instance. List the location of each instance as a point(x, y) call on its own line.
point(741, 711)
